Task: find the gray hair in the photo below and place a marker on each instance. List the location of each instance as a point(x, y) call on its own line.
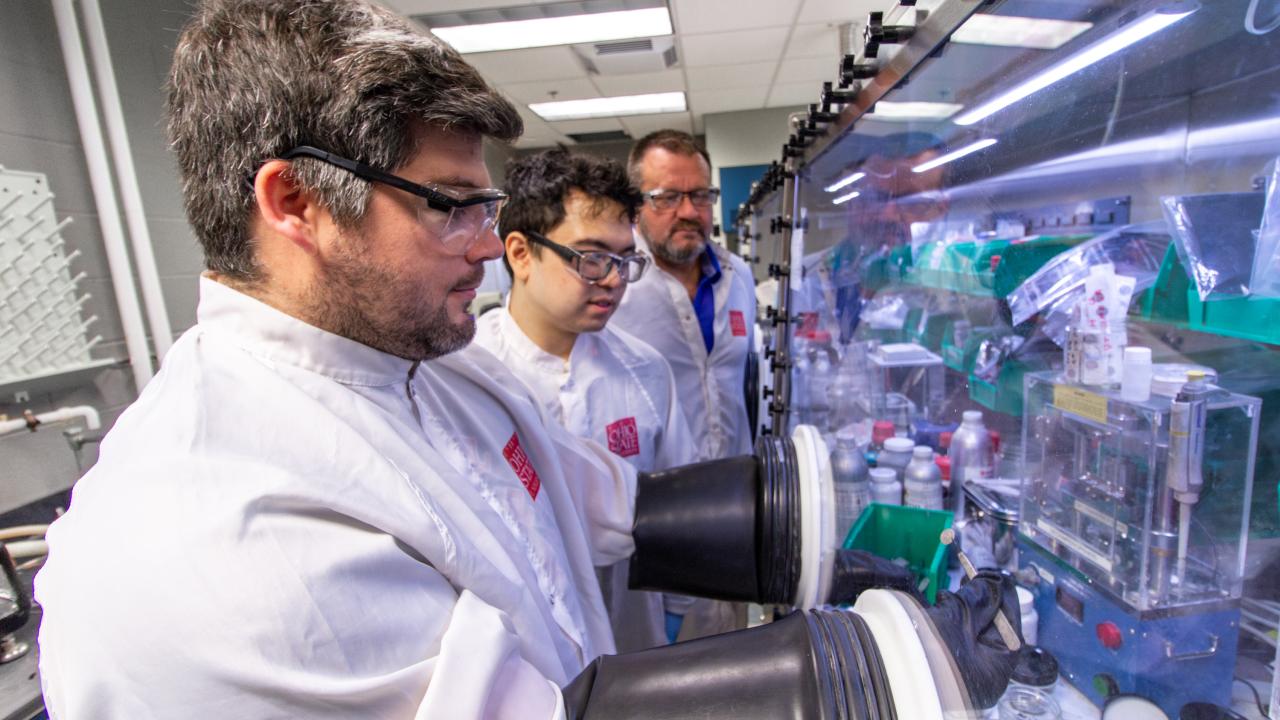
point(252, 79)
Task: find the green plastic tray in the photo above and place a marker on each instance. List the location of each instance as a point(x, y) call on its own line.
point(895, 531)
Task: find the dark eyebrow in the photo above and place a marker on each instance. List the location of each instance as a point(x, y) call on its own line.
point(593, 244)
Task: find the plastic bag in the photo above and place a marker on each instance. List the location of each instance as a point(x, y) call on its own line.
point(1214, 237)
point(1265, 278)
point(1135, 251)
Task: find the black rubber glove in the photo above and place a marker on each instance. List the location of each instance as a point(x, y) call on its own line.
point(856, 570)
point(965, 620)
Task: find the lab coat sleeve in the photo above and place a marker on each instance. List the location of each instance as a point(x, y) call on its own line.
point(269, 605)
point(603, 487)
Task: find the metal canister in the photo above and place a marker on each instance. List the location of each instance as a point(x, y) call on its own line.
point(922, 480)
point(849, 478)
point(970, 457)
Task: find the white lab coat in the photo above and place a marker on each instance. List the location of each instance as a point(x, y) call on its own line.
point(290, 524)
point(619, 392)
point(711, 386)
point(657, 310)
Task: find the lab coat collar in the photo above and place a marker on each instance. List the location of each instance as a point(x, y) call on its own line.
point(526, 349)
point(277, 337)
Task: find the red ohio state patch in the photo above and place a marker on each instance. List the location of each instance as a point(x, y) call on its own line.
point(737, 323)
point(520, 464)
point(624, 439)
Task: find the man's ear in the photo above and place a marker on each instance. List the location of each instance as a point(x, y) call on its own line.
point(285, 208)
point(519, 256)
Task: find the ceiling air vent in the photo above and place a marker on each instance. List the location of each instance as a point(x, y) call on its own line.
point(627, 56)
point(624, 46)
point(597, 137)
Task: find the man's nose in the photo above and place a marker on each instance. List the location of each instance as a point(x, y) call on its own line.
point(486, 247)
point(686, 210)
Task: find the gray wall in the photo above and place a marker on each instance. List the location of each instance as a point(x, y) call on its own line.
point(748, 137)
point(38, 133)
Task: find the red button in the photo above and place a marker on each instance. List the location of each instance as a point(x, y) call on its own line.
point(1110, 635)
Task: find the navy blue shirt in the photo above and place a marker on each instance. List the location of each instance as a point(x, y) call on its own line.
point(704, 301)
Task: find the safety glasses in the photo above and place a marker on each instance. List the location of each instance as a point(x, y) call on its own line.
point(457, 216)
point(663, 199)
point(594, 266)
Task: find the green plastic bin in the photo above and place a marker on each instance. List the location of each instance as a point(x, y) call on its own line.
point(914, 534)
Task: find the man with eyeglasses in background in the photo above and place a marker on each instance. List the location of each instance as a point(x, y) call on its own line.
point(571, 255)
point(697, 308)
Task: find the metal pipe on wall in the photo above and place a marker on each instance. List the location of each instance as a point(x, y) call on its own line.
point(95, 153)
point(127, 180)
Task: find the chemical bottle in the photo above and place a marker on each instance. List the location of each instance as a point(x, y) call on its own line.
point(922, 480)
point(885, 487)
point(819, 387)
point(896, 454)
point(850, 478)
point(970, 455)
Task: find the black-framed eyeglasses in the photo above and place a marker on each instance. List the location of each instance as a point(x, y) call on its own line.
point(594, 265)
point(664, 199)
point(458, 216)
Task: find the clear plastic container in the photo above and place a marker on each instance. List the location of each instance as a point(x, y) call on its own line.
point(1028, 703)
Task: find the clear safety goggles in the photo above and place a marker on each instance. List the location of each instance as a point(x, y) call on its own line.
point(594, 265)
point(457, 216)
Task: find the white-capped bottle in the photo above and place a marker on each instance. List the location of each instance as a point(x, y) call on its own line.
point(896, 454)
point(922, 480)
point(886, 489)
point(970, 455)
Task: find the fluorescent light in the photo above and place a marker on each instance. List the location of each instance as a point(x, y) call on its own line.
point(899, 111)
point(610, 106)
point(846, 198)
point(954, 155)
point(1012, 31)
point(567, 30)
point(845, 182)
point(1110, 45)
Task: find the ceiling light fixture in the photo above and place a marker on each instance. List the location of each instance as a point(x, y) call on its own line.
point(954, 155)
point(845, 182)
point(564, 30)
point(620, 106)
point(1013, 31)
point(846, 198)
point(906, 111)
point(1130, 34)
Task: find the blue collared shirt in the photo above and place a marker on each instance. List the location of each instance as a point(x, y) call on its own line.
point(704, 301)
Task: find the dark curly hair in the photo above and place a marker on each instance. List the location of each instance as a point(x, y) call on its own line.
point(539, 185)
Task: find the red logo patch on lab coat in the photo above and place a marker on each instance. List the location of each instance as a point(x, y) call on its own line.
point(737, 323)
point(624, 439)
point(520, 464)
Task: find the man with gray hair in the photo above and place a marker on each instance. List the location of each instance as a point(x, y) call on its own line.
point(324, 506)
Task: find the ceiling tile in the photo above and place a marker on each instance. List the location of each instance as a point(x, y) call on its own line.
point(814, 40)
point(709, 16)
point(516, 66)
point(786, 94)
point(714, 77)
point(641, 125)
point(713, 101)
point(728, 48)
point(841, 10)
point(540, 91)
point(540, 141)
point(815, 70)
point(639, 83)
point(586, 126)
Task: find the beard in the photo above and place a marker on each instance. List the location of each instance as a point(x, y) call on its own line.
point(378, 307)
point(665, 249)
